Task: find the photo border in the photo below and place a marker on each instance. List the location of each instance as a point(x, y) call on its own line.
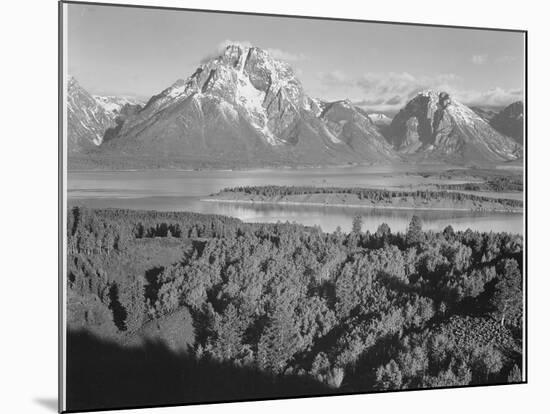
point(62, 182)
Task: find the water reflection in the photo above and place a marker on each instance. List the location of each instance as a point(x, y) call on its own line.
point(328, 218)
point(201, 183)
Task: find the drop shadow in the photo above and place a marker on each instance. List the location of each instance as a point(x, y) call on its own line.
point(103, 374)
point(49, 403)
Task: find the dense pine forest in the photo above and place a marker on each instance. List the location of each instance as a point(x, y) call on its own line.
point(350, 312)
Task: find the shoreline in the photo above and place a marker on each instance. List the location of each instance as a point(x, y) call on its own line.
point(306, 203)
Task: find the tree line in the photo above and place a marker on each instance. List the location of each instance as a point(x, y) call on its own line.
point(375, 195)
point(496, 184)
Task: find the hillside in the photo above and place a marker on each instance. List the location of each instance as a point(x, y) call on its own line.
point(281, 309)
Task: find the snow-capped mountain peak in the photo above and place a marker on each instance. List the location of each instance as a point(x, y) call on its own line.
point(436, 122)
point(249, 81)
point(113, 104)
point(246, 105)
point(87, 120)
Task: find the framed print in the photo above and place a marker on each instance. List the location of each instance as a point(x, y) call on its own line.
point(263, 206)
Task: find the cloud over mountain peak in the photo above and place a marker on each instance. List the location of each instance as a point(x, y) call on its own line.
point(389, 91)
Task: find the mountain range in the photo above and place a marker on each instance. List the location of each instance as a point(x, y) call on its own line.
point(509, 121)
point(434, 125)
point(87, 120)
point(118, 105)
point(486, 112)
point(246, 108)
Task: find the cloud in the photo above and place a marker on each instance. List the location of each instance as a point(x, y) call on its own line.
point(389, 92)
point(491, 97)
point(274, 52)
point(386, 92)
point(396, 100)
point(227, 42)
point(335, 78)
point(479, 59)
point(221, 47)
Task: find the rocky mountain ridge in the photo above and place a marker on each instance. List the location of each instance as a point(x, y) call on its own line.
point(509, 121)
point(435, 125)
point(87, 120)
point(246, 108)
point(118, 105)
point(246, 105)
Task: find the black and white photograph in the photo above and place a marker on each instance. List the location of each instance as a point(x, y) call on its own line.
point(260, 207)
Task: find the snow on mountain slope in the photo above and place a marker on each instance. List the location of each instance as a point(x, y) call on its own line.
point(485, 113)
point(113, 105)
point(380, 119)
point(87, 120)
point(435, 125)
point(244, 105)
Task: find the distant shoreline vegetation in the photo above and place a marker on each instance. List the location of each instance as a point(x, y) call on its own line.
point(493, 180)
point(365, 197)
point(501, 184)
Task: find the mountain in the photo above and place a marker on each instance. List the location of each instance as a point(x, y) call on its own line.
point(87, 120)
point(435, 126)
point(118, 105)
point(242, 108)
point(509, 121)
point(485, 113)
point(382, 122)
point(245, 108)
point(380, 119)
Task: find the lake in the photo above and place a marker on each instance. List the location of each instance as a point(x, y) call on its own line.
point(166, 190)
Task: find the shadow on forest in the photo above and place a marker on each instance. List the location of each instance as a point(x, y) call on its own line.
point(104, 374)
point(153, 284)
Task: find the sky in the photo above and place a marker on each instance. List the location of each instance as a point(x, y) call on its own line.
point(139, 52)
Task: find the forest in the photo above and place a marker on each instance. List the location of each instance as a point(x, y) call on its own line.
point(496, 184)
point(377, 195)
point(352, 312)
point(477, 179)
